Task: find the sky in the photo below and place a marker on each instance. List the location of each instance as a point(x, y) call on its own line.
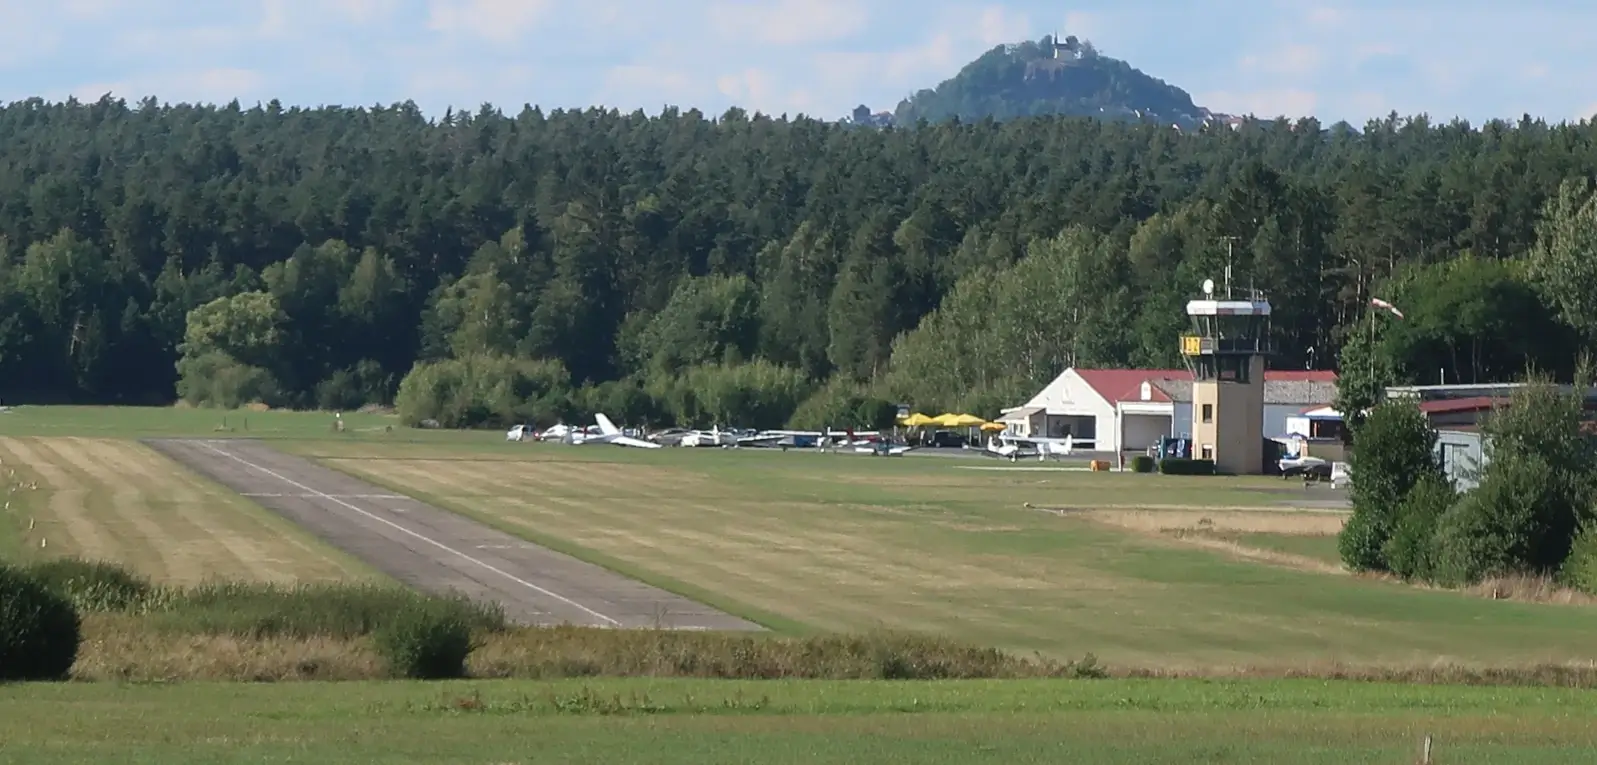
point(1352, 60)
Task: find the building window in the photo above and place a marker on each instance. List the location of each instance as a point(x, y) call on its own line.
point(1208, 452)
point(1208, 413)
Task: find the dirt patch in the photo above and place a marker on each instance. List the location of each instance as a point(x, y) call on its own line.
point(1291, 522)
point(1275, 557)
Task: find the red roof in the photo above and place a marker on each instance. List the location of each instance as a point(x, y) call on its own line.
point(1126, 384)
point(1454, 405)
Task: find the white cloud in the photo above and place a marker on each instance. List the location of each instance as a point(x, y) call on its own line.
point(1288, 61)
point(497, 21)
point(216, 86)
point(648, 88)
point(1289, 102)
point(999, 26)
point(23, 35)
point(466, 87)
point(789, 22)
point(91, 10)
point(1082, 24)
point(1325, 17)
point(921, 65)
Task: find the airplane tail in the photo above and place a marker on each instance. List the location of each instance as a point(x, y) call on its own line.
point(605, 425)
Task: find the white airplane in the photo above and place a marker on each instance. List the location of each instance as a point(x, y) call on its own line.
point(610, 434)
point(715, 436)
point(884, 449)
point(1015, 448)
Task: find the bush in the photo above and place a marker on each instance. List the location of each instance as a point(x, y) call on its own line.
point(426, 641)
point(1409, 551)
point(1178, 466)
point(1394, 451)
point(1142, 463)
point(484, 390)
point(332, 611)
point(219, 381)
point(39, 629)
point(1484, 535)
point(92, 585)
point(1580, 568)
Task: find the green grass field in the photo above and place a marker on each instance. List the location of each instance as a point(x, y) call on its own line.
point(1171, 574)
point(1106, 722)
point(804, 541)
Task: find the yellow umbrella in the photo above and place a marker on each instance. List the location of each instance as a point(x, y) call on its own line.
point(916, 420)
point(993, 426)
point(965, 421)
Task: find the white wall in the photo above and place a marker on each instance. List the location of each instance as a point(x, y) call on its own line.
point(1069, 394)
point(1144, 430)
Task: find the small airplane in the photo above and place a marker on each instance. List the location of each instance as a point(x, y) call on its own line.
point(1304, 466)
point(610, 434)
point(728, 438)
point(884, 449)
point(1015, 448)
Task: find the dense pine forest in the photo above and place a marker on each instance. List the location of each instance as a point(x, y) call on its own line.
point(484, 268)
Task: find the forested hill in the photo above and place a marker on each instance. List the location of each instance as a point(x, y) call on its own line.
point(680, 267)
point(1069, 78)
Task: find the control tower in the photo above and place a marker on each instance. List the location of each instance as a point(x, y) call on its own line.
point(1226, 353)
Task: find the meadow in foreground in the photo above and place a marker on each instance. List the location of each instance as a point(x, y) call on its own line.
point(1108, 722)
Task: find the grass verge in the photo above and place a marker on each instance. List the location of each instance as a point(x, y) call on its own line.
point(1105, 722)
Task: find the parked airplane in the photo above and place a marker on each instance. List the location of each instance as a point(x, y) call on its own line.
point(728, 438)
point(884, 449)
point(1015, 448)
point(610, 434)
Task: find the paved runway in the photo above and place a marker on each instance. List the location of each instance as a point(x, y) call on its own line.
point(437, 550)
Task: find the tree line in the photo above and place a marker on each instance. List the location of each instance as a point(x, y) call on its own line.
point(484, 267)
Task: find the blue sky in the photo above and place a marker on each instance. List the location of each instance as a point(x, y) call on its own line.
point(1352, 60)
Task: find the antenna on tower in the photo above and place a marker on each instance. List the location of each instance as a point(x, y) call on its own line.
point(1229, 240)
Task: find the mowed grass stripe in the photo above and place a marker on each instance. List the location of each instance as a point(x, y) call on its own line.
point(59, 503)
point(813, 541)
point(598, 512)
point(859, 568)
point(120, 507)
point(183, 506)
point(120, 501)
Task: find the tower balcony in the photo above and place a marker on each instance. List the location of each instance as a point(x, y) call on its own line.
point(1205, 345)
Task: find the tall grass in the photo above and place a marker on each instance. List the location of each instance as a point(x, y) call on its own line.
point(252, 610)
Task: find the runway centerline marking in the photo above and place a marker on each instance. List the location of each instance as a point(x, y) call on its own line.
point(429, 540)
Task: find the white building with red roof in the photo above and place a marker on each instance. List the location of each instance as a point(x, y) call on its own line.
point(1110, 410)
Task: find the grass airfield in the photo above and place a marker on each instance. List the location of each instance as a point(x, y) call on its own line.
point(1165, 575)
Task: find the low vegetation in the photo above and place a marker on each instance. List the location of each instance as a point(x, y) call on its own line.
point(39, 629)
point(1530, 515)
point(138, 630)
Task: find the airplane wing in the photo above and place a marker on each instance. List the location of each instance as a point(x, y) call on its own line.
point(605, 425)
point(630, 441)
